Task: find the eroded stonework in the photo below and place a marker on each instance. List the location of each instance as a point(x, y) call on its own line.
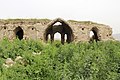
point(40, 29)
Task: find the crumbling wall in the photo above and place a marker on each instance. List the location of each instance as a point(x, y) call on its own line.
point(37, 29)
point(82, 31)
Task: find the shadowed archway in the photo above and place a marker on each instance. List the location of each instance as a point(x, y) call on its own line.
point(94, 34)
point(19, 33)
point(60, 26)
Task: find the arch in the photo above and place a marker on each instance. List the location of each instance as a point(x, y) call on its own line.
point(60, 26)
point(65, 37)
point(57, 36)
point(19, 33)
point(57, 23)
point(48, 36)
point(94, 34)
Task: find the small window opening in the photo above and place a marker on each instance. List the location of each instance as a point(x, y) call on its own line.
point(57, 23)
point(82, 28)
point(5, 27)
point(32, 28)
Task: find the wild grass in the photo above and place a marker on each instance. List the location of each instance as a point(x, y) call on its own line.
point(81, 61)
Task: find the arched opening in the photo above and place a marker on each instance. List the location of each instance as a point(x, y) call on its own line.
point(65, 37)
point(57, 23)
point(57, 36)
point(59, 29)
point(94, 34)
point(49, 37)
point(19, 33)
point(91, 34)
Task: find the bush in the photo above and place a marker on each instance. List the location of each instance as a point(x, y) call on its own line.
point(81, 61)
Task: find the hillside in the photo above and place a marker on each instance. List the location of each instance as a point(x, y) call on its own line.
point(34, 60)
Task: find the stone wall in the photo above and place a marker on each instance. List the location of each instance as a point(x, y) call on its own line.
point(40, 29)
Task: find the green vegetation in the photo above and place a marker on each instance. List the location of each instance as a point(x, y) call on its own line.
point(81, 61)
point(28, 21)
point(86, 23)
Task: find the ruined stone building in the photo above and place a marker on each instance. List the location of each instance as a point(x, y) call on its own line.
point(40, 29)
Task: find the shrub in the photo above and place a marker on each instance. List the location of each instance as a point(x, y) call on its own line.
point(81, 61)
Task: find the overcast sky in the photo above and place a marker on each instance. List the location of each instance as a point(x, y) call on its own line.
point(101, 11)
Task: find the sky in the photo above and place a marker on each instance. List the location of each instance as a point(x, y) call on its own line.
point(100, 11)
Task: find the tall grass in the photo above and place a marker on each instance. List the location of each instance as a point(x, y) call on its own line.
point(81, 61)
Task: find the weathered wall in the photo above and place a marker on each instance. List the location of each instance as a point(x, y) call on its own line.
point(36, 29)
point(82, 30)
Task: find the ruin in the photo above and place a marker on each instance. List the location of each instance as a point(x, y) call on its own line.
point(75, 31)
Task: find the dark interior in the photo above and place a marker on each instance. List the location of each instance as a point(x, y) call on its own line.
point(62, 29)
point(95, 36)
point(19, 33)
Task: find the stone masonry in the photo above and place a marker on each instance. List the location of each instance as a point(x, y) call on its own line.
point(40, 29)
